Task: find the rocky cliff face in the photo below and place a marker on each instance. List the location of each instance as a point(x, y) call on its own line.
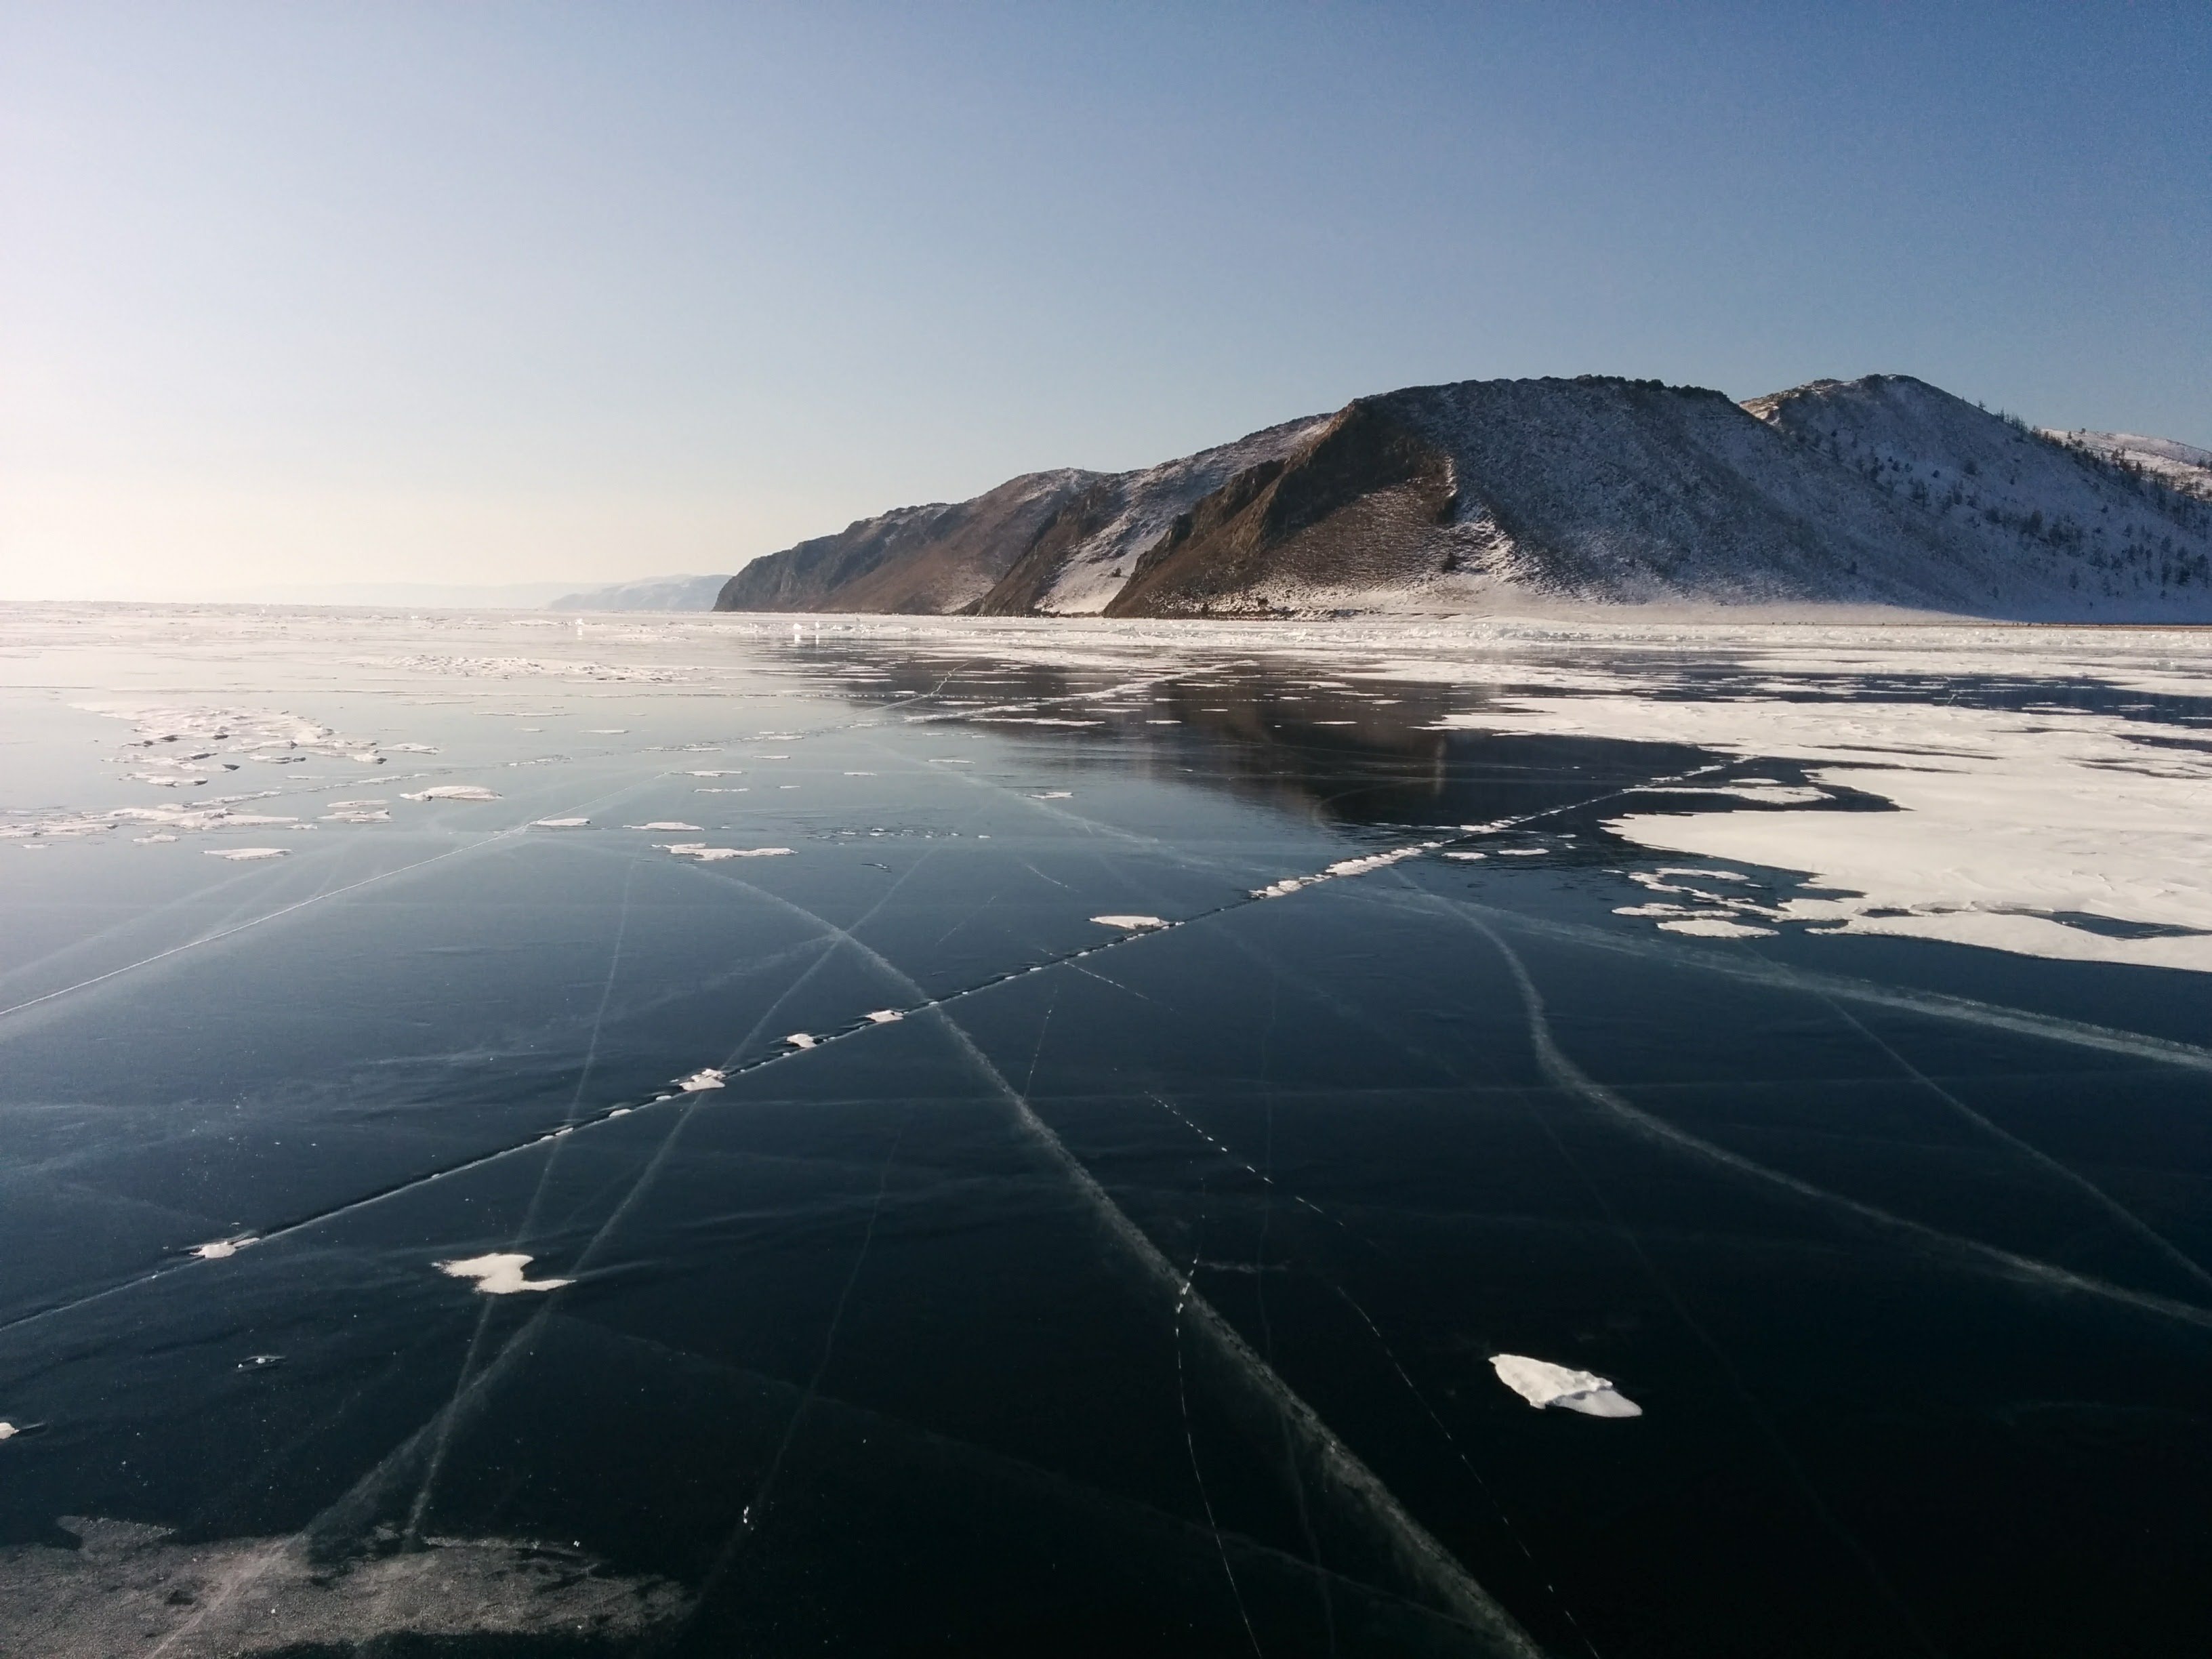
point(1502, 494)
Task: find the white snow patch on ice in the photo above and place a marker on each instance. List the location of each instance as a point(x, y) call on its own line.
point(1712, 927)
point(887, 1017)
point(1133, 924)
point(217, 1249)
point(241, 854)
point(706, 854)
point(1541, 1384)
point(661, 824)
point(706, 1077)
point(2010, 820)
point(562, 823)
point(500, 1273)
point(452, 792)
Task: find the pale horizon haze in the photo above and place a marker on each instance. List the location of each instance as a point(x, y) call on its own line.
point(564, 292)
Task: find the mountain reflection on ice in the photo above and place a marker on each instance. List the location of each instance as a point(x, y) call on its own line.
point(1062, 1178)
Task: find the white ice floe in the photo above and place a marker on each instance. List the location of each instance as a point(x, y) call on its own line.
point(452, 792)
point(1133, 924)
point(726, 772)
point(500, 1273)
point(706, 854)
point(150, 840)
point(1468, 857)
point(7, 1430)
point(661, 824)
point(706, 1077)
point(801, 1040)
point(1055, 794)
point(886, 1016)
point(1541, 1384)
point(240, 854)
point(562, 823)
point(217, 1249)
point(860, 774)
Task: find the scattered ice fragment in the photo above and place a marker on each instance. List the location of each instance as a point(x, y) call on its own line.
point(452, 792)
point(1055, 794)
point(727, 772)
point(1716, 928)
point(1135, 924)
point(500, 1273)
point(148, 841)
point(800, 1040)
point(886, 1016)
point(216, 1250)
point(414, 748)
point(1465, 855)
point(256, 1362)
point(860, 774)
point(706, 854)
point(237, 853)
point(1541, 1384)
point(606, 731)
point(9, 1430)
point(1520, 852)
point(706, 1077)
point(659, 824)
point(562, 823)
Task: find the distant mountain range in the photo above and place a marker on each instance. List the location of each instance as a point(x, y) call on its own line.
point(653, 593)
point(1504, 495)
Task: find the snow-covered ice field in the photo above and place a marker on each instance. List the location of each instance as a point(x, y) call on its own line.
point(727, 1134)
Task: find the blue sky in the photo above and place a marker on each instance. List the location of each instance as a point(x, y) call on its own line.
point(493, 292)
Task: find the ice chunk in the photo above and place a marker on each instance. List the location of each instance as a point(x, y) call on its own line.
point(1541, 1384)
point(562, 823)
point(239, 853)
point(800, 1040)
point(706, 854)
point(661, 824)
point(452, 792)
point(706, 1077)
point(217, 1249)
point(1135, 924)
point(1716, 928)
point(1055, 795)
point(887, 1017)
point(1465, 855)
point(500, 1273)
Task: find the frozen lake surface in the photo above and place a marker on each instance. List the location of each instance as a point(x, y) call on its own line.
point(722, 1135)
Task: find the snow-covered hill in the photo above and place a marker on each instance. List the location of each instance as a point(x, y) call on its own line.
point(1506, 496)
point(2184, 467)
point(2057, 529)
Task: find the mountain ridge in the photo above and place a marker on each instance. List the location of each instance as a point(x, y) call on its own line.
point(1495, 496)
